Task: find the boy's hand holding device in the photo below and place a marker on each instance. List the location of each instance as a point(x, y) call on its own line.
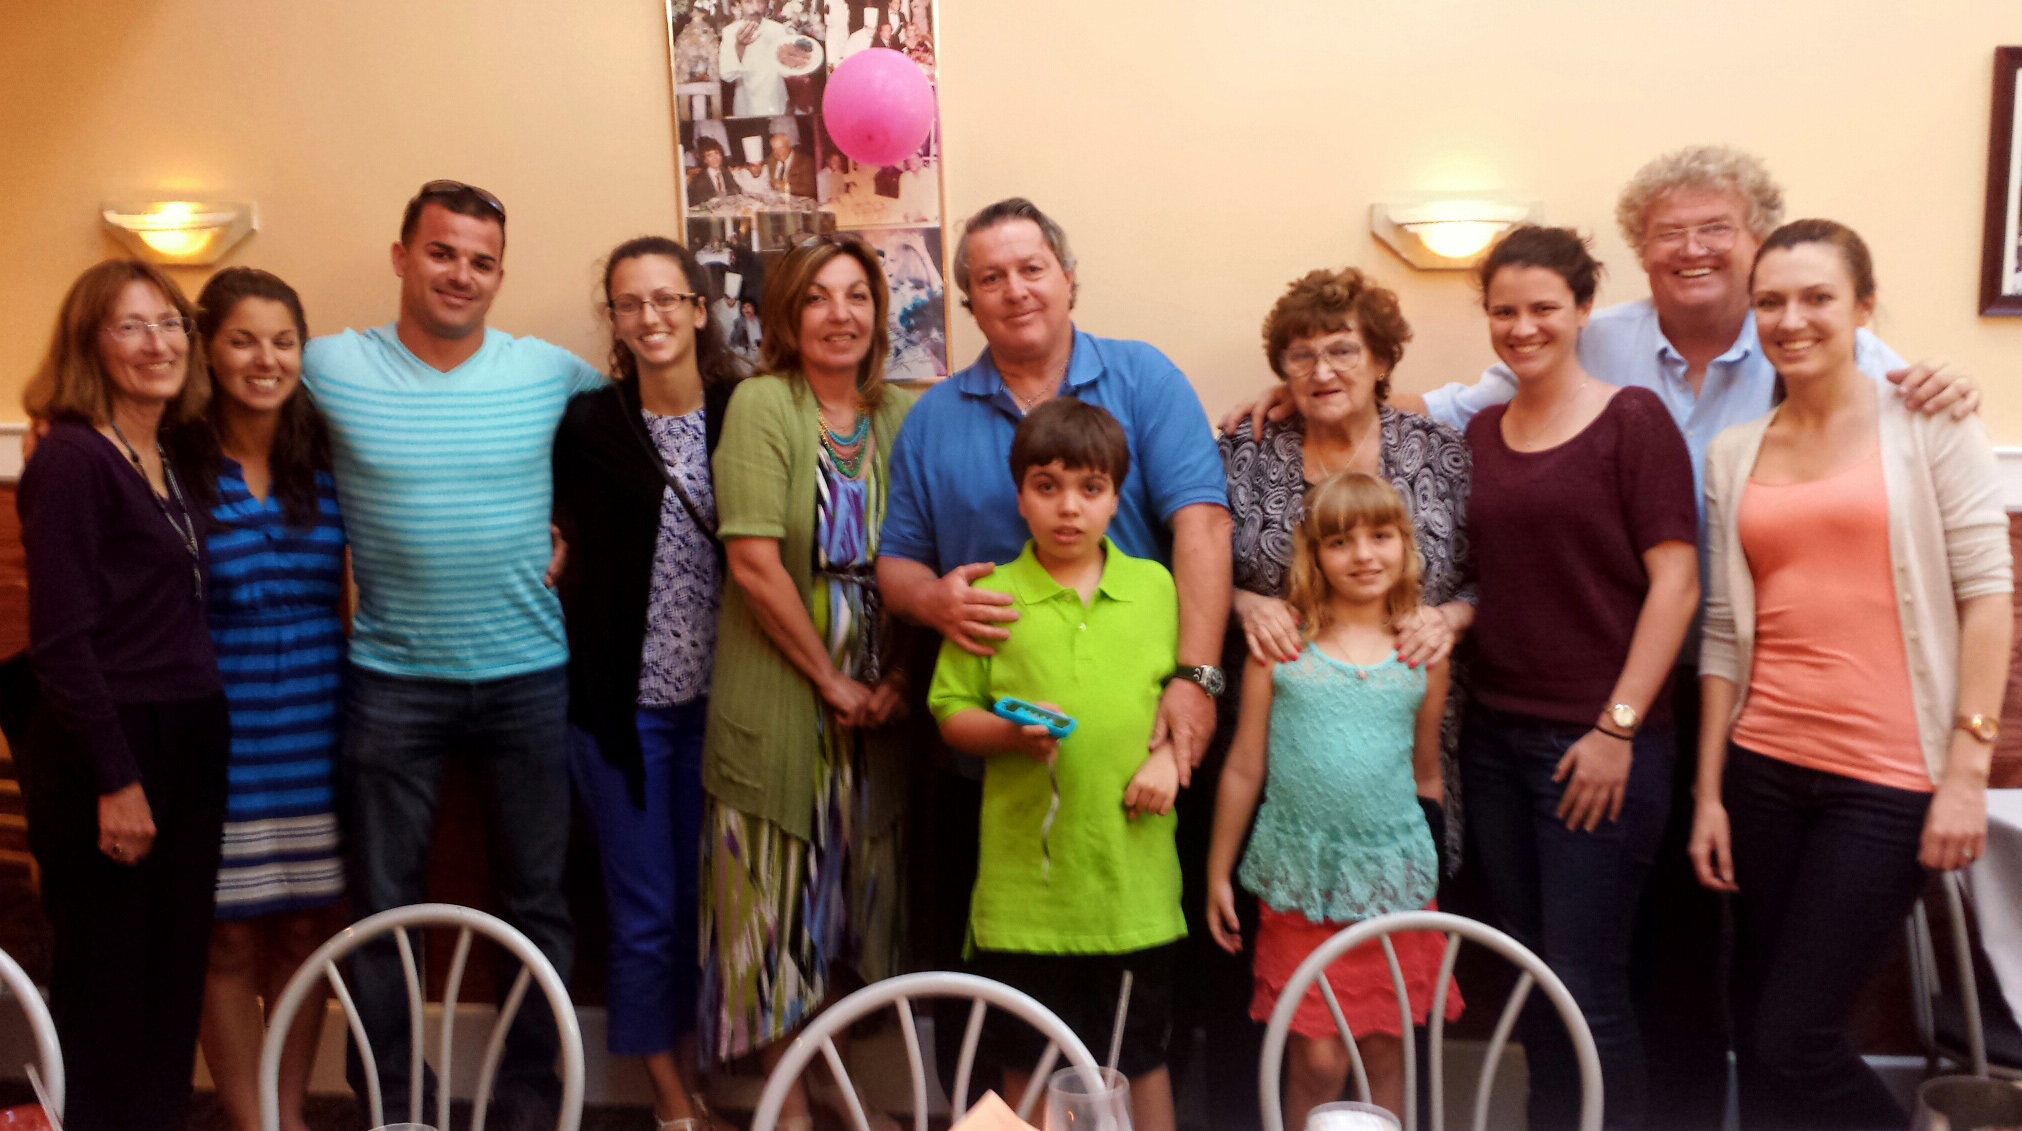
point(1041, 726)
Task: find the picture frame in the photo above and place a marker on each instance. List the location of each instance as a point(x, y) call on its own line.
point(2001, 247)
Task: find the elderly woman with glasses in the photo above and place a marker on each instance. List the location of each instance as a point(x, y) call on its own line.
point(637, 506)
point(124, 753)
point(1333, 338)
point(801, 872)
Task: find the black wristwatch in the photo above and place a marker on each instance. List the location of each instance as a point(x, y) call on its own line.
point(1207, 676)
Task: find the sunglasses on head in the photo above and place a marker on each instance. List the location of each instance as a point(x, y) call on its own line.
point(458, 188)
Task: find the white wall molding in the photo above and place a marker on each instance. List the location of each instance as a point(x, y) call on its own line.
point(2011, 477)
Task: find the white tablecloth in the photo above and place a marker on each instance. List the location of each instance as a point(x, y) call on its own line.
point(1996, 880)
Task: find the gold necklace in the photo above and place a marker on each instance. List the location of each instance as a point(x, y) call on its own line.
point(1531, 439)
point(1328, 472)
point(1025, 404)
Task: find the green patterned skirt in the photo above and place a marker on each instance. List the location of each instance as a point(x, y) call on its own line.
point(779, 912)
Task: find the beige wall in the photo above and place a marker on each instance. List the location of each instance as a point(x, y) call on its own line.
point(1201, 153)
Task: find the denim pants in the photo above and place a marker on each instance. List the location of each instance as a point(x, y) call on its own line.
point(1569, 896)
point(651, 855)
point(1826, 868)
point(398, 733)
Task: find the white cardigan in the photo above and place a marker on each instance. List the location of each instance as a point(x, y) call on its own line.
point(1948, 542)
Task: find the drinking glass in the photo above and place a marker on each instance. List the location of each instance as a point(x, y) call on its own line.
point(1967, 1103)
point(1074, 1102)
point(1346, 1115)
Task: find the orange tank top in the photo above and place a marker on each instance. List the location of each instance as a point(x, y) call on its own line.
point(1830, 688)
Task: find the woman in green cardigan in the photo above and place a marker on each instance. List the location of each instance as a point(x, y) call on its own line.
point(804, 783)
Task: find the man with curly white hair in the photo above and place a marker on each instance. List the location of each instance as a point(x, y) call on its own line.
point(1695, 217)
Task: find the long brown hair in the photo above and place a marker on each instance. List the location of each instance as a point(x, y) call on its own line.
point(714, 360)
point(785, 293)
point(71, 383)
point(1338, 505)
point(301, 441)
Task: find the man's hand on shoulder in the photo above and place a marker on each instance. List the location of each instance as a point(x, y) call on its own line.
point(952, 606)
point(1934, 385)
point(1274, 404)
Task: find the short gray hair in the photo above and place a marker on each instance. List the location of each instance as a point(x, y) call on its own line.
point(1003, 212)
point(1719, 168)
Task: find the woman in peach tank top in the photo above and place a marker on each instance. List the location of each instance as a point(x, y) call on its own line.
point(1858, 558)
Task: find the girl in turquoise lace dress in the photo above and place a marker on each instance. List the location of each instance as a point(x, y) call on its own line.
point(1347, 739)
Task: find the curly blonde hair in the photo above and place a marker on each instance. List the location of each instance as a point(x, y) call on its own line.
point(1337, 505)
point(1718, 168)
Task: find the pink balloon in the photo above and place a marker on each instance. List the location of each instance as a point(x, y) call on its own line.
point(879, 106)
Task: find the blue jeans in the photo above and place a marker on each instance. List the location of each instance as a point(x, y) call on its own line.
point(1827, 869)
point(651, 856)
point(397, 734)
point(1569, 896)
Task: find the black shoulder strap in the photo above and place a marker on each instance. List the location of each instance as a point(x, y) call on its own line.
point(644, 437)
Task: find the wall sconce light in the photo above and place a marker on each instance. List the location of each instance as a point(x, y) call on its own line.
point(1445, 234)
point(184, 233)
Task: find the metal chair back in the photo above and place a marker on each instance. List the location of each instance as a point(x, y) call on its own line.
point(399, 922)
point(900, 993)
point(1533, 973)
point(47, 1050)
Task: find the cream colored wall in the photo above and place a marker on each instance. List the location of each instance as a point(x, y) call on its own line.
point(1200, 153)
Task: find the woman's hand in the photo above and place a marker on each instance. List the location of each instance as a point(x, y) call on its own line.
point(1223, 922)
point(1955, 829)
point(125, 824)
point(1712, 848)
point(1424, 636)
point(847, 698)
point(1595, 771)
point(886, 701)
point(1270, 627)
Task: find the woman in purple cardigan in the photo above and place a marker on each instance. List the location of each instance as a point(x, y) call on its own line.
point(124, 762)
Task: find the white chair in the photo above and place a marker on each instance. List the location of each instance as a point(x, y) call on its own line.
point(47, 1050)
point(397, 922)
point(1379, 929)
point(1951, 1021)
point(899, 993)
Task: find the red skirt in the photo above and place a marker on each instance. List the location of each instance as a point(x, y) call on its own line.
point(1360, 978)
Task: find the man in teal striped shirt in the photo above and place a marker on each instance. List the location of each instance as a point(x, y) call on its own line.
point(442, 431)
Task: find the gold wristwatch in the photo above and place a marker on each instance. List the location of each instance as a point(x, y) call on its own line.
point(1986, 728)
point(1625, 717)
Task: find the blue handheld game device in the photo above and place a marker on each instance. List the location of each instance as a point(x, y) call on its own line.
point(1029, 714)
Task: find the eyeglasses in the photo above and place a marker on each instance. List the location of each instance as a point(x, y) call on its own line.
point(1717, 236)
point(457, 188)
point(134, 329)
point(666, 302)
point(1340, 357)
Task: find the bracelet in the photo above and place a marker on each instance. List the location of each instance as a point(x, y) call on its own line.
point(1614, 734)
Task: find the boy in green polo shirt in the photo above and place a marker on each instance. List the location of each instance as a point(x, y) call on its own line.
point(1062, 909)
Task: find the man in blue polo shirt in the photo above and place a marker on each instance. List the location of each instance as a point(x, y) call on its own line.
point(952, 514)
point(442, 431)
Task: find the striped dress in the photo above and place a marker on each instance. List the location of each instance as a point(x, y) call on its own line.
point(274, 594)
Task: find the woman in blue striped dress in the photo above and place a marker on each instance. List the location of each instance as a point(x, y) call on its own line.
point(277, 582)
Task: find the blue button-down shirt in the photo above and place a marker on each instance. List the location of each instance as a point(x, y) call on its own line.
point(952, 500)
point(1623, 345)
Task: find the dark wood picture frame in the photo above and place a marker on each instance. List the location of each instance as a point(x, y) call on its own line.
point(2000, 255)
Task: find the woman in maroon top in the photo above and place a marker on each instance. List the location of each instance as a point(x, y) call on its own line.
point(1583, 526)
point(125, 753)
